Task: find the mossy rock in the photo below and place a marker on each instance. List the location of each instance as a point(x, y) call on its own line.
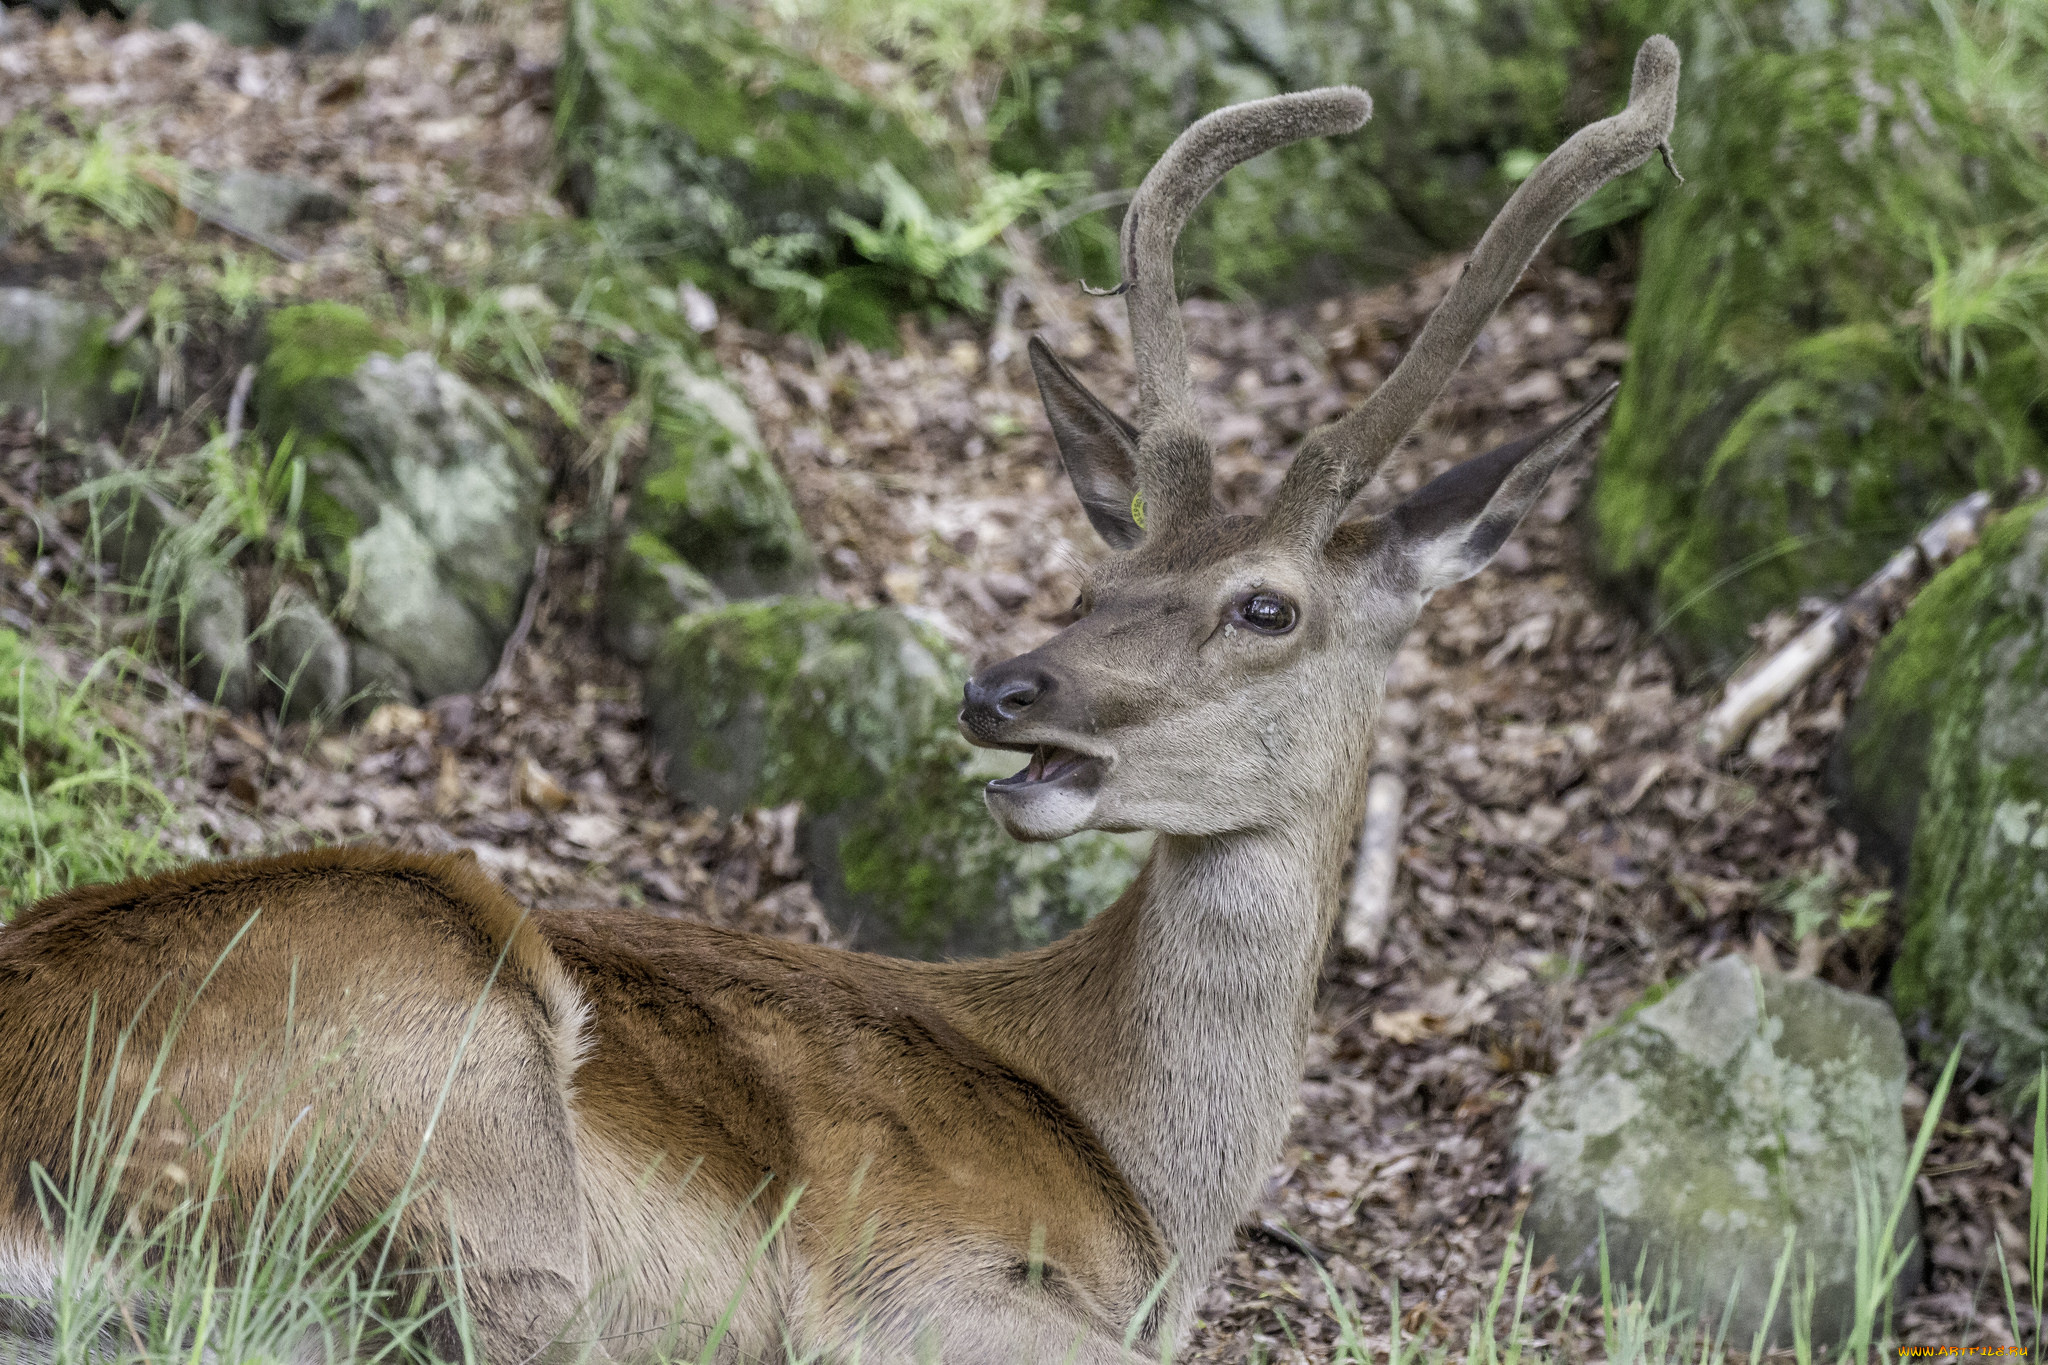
point(851, 711)
point(424, 500)
point(55, 360)
point(1787, 419)
point(321, 25)
point(1461, 92)
point(1709, 1124)
point(710, 493)
point(692, 132)
point(1943, 768)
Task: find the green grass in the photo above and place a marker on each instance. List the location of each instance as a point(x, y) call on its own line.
point(76, 803)
point(287, 1285)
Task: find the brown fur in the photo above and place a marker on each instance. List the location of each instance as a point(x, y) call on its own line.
point(640, 1098)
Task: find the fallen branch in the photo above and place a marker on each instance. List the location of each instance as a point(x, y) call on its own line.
point(1371, 903)
point(1749, 699)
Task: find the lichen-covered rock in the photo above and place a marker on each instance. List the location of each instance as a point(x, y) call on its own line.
point(1943, 769)
point(1459, 90)
point(851, 711)
point(304, 658)
point(1706, 1125)
point(647, 587)
point(266, 202)
point(55, 360)
point(688, 125)
point(213, 634)
point(1829, 340)
point(426, 502)
point(711, 496)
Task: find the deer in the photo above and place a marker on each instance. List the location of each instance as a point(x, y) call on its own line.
point(625, 1129)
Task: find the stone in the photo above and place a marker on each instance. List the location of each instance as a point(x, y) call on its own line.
point(423, 499)
point(710, 495)
point(851, 712)
point(55, 360)
point(1814, 370)
point(1459, 90)
point(647, 586)
point(379, 679)
point(321, 25)
point(1705, 1125)
point(1942, 771)
point(303, 656)
point(271, 204)
point(213, 634)
point(690, 124)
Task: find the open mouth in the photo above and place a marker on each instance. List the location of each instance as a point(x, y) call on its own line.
point(1050, 764)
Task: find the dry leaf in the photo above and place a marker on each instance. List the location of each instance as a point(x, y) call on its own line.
point(537, 788)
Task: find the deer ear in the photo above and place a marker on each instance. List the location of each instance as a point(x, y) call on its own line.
point(1099, 449)
point(1451, 526)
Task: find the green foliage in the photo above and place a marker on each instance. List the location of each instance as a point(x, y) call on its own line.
point(1838, 327)
point(76, 804)
point(57, 183)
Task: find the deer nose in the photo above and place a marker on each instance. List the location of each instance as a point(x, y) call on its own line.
point(1002, 694)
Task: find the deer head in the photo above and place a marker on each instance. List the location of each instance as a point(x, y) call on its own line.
point(1226, 672)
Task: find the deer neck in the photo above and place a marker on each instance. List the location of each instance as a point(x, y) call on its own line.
point(1175, 1022)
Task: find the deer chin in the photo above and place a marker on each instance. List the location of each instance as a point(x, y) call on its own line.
point(1053, 796)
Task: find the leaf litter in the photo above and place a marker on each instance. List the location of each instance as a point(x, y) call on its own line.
point(1563, 847)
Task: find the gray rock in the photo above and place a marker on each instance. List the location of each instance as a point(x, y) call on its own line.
point(850, 711)
point(378, 677)
point(647, 587)
point(426, 502)
point(54, 359)
point(1700, 1130)
point(399, 603)
point(268, 203)
point(213, 634)
point(303, 656)
point(468, 481)
point(710, 492)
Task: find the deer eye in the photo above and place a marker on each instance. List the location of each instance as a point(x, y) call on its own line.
point(1266, 612)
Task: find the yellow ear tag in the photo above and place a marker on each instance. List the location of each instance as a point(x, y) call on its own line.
point(1138, 509)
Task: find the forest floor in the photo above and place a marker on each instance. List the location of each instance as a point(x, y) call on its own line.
point(1564, 848)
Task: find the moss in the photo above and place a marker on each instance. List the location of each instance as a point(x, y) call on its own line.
point(712, 495)
point(314, 341)
point(1947, 753)
point(1786, 419)
point(696, 135)
point(850, 712)
point(76, 803)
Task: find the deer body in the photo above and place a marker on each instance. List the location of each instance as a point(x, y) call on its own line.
point(628, 1131)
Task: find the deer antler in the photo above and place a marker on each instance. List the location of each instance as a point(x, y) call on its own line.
point(1173, 456)
point(1336, 461)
